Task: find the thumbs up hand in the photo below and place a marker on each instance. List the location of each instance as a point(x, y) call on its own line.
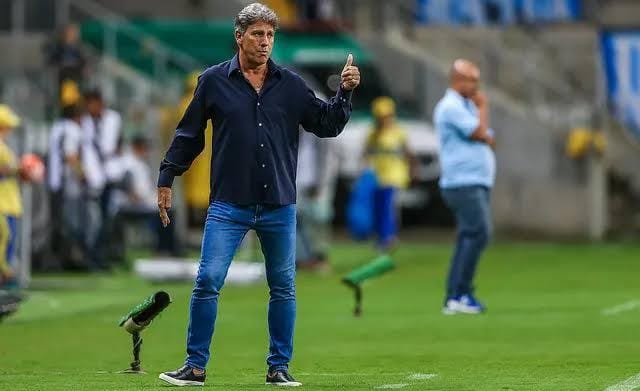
point(350, 75)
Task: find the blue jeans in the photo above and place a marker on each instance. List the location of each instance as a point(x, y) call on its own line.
point(8, 241)
point(225, 227)
point(472, 210)
point(385, 213)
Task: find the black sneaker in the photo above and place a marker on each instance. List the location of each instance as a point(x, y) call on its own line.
point(183, 377)
point(281, 377)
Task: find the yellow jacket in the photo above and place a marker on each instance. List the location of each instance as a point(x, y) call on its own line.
point(10, 203)
point(386, 154)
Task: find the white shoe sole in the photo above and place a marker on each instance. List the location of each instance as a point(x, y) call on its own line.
point(290, 384)
point(461, 310)
point(180, 383)
point(469, 311)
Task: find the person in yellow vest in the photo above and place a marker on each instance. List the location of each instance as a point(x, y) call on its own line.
point(388, 154)
point(10, 203)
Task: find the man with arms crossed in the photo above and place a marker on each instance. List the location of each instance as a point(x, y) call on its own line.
point(256, 107)
point(468, 171)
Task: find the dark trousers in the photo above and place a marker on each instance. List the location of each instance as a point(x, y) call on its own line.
point(472, 210)
point(166, 240)
point(59, 247)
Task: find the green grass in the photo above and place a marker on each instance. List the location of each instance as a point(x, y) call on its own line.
point(544, 330)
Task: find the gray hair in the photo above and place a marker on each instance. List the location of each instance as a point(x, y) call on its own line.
point(255, 12)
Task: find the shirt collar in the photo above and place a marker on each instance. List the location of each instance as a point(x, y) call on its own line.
point(272, 67)
point(455, 94)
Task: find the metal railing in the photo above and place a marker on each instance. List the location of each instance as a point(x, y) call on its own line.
point(163, 56)
point(115, 24)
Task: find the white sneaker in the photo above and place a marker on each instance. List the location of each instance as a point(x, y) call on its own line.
point(465, 304)
point(450, 307)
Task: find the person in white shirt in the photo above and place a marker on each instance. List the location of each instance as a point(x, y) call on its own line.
point(315, 183)
point(102, 130)
point(63, 166)
point(71, 177)
point(134, 198)
point(102, 125)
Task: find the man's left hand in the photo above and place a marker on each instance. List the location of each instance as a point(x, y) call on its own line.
point(350, 75)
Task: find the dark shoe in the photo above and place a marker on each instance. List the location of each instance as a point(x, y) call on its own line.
point(9, 302)
point(281, 377)
point(183, 377)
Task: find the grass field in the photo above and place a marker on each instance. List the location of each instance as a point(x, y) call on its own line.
point(554, 323)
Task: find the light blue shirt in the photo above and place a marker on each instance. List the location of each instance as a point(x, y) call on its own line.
point(463, 161)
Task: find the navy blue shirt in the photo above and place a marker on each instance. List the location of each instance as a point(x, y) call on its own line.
point(255, 135)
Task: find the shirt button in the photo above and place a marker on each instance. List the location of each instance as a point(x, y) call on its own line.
point(265, 186)
point(258, 103)
point(260, 124)
point(263, 166)
point(261, 145)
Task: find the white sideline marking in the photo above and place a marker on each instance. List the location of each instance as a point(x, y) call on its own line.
point(422, 376)
point(392, 386)
point(624, 307)
point(627, 385)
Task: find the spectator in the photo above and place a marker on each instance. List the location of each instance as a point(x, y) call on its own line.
point(388, 153)
point(101, 131)
point(468, 171)
point(315, 182)
point(72, 180)
point(67, 57)
point(10, 203)
point(134, 199)
point(102, 126)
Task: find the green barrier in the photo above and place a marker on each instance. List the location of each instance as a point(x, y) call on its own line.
point(375, 268)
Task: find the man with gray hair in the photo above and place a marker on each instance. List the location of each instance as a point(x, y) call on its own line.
point(256, 108)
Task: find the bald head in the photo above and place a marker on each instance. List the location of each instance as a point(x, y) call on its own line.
point(464, 77)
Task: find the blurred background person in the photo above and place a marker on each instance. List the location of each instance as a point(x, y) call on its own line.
point(468, 173)
point(67, 126)
point(73, 180)
point(101, 128)
point(134, 200)
point(66, 57)
point(387, 152)
point(10, 202)
point(315, 182)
